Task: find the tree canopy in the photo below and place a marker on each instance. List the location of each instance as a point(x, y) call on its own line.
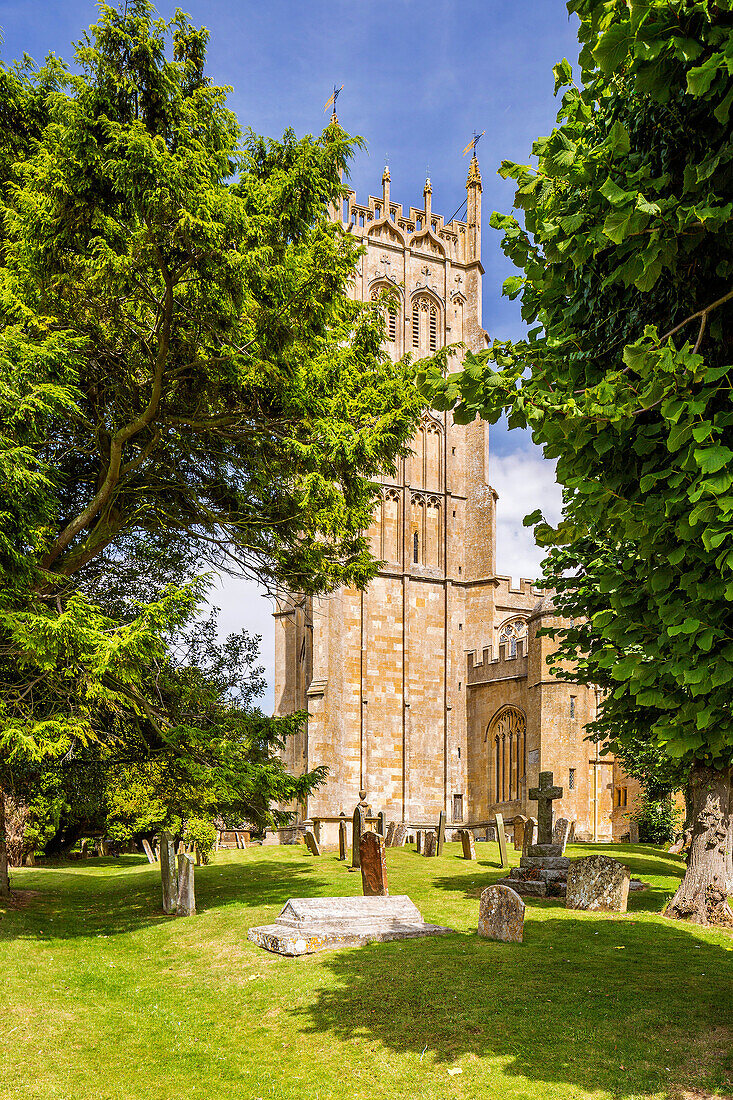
point(626, 260)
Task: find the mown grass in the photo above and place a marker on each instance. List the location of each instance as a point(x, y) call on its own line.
point(103, 998)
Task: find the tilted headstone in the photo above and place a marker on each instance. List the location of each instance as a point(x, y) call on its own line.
point(544, 796)
point(501, 915)
point(389, 839)
point(519, 823)
point(501, 836)
point(561, 832)
point(359, 820)
point(343, 839)
point(441, 834)
point(373, 866)
point(530, 835)
point(400, 835)
point(186, 903)
point(168, 876)
point(148, 851)
point(430, 843)
point(311, 843)
point(469, 848)
point(598, 883)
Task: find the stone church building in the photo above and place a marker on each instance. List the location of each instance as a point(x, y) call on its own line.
point(430, 689)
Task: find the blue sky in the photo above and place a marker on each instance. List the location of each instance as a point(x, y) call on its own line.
point(419, 76)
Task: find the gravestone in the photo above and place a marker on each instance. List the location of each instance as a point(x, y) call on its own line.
point(441, 834)
point(186, 903)
point(544, 796)
point(311, 843)
point(501, 915)
point(359, 820)
point(633, 832)
point(306, 925)
point(530, 834)
point(373, 866)
point(391, 829)
point(382, 823)
point(598, 883)
point(84, 849)
point(168, 873)
point(343, 839)
point(469, 848)
point(418, 841)
point(430, 843)
point(491, 833)
point(148, 850)
point(561, 832)
point(501, 836)
point(519, 824)
point(400, 835)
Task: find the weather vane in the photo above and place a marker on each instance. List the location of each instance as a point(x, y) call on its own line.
point(332, 98)
point(473, 142)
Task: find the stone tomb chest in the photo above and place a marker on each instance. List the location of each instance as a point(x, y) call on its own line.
point(306, 925)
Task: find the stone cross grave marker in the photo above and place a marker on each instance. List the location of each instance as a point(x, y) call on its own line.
point(343, 839)
point(168, 873)
point(311, 843)
point(544, 796)
point(597, 883)
point(469, 848)
point(360, 814)
point(186, 904)
point(430, 843)
point(148, 851)
point(501, 836)
point(373, 866)
point(501, 915)
point(530, 835)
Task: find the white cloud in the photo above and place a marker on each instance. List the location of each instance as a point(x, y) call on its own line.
point(524, 481)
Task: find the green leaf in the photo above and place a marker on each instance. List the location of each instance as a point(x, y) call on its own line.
point(700, 78)
point(512, 286)
point(563, 74)
point(712, 459)
point(613, 47)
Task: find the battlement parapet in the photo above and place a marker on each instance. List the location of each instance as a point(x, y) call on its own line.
point(527, 588)
point(359, 215)
point(508, 665)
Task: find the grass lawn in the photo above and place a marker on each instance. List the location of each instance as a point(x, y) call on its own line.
point(103, 998)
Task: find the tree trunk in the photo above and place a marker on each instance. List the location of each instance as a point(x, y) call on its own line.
point(702, 894)
point(4, 877)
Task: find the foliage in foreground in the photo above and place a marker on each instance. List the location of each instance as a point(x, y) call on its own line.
point(625, 378)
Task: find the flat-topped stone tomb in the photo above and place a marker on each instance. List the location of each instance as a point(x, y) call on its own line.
point(307, 925)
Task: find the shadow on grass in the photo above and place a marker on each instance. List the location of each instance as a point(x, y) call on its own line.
point(71, 902)
point(599, 1004)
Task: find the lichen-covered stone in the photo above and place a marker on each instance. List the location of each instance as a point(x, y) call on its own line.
point(501, 915)
point(312, 844)
point(598, 883)
point(373, 865)
point(551, 863)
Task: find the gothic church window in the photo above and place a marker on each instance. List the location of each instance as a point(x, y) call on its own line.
point(416, 548)
point(510, 633)
point(508, 732)
point(390, 312)
point(425, 324)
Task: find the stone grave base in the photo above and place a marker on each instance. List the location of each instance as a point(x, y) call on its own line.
point(306, 925)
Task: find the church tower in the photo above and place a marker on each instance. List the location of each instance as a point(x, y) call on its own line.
point(382, 673)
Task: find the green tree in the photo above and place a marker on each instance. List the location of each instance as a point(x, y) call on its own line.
point(626, 254)
point(183, 372)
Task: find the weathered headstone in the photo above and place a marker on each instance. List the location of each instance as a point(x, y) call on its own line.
point(633, 831)
point(469, 848)
point(491, 833)
point(400, 835)
point(389, 839)
point(382, 823)
point(441, 834)
point(501, 836)
point(168, 873)
point(430, 843)
point(544, 795)
point(530, 834)
point(84, 849)
point(519, 823)
point(148, 850)
point(343, 839)
point(597, 883)
point(186, 903)
point(419, 841)
point(501, 915)
point(311, 843)
point(359, 820)
point(561, 832)
point(373, 866)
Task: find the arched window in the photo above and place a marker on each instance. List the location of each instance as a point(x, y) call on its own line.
point(433, 329)
point(415, 325)
point(416, 548)
point(390, 311)
point(425, 324)
point(510, 633)
point(508, 733)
